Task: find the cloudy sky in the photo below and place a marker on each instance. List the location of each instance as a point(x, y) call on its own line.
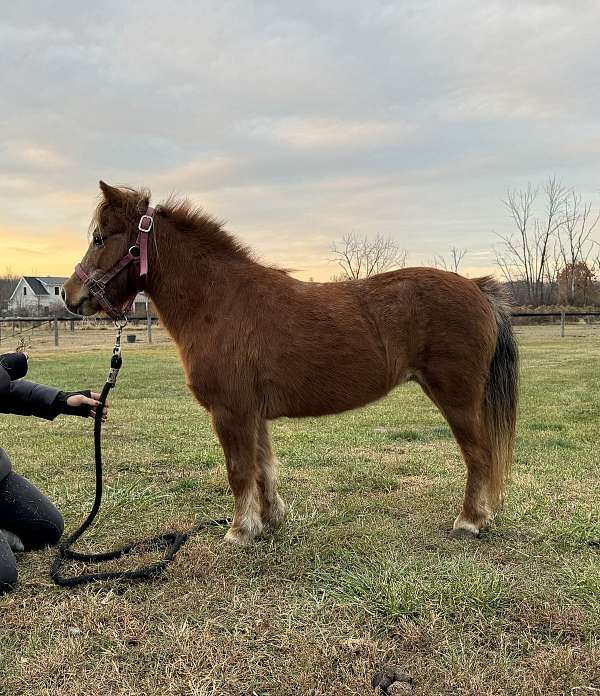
point(295, 122)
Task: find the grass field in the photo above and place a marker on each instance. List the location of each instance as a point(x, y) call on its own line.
point(362, 574)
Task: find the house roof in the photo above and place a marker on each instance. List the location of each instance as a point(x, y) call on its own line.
point(52, 280)
point(35, 284)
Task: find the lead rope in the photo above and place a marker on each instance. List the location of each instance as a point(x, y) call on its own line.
point(171, 542)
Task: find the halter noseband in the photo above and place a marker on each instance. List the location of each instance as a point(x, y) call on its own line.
point(137, 255)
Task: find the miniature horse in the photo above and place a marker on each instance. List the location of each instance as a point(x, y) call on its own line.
point(257, 344)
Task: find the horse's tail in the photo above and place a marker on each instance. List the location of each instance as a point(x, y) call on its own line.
point(501, 390)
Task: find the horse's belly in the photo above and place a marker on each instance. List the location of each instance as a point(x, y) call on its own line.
point(316, 393)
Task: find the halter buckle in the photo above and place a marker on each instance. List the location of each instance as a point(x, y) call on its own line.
point(146, 223)
point(96, 287)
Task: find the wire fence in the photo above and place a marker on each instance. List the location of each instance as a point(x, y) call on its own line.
point(83, 332)
point(75, 332)
point(567, 324)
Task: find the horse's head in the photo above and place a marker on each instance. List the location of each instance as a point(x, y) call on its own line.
point(114, 230)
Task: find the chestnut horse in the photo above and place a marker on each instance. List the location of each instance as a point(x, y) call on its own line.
point(257, 344)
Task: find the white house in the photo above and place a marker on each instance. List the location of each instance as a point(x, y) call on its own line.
point(40, 296)
point(36, 295)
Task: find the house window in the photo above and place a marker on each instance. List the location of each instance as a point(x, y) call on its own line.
point(56, 290)
point(24, 290)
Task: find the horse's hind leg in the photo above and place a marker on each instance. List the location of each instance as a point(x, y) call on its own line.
point(238, 436)
point(463, 411)
point(273, 508)
point(477, 510)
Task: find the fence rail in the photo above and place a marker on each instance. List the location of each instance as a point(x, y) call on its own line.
point(562, 315)
point(556, 314)
point(53, 324)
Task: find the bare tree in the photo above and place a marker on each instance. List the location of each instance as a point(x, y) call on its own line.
point(595, 262)
point(576, 248)
point(525, 257)
point(8, 282)
point(452, 263)
point(361, 257)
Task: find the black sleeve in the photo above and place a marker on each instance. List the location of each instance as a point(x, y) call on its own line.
point(25, 398)
point(15, 364)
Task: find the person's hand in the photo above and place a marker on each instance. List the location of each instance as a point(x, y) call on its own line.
point(79, 400)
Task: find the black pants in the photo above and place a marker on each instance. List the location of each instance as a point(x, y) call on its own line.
point(28, 513)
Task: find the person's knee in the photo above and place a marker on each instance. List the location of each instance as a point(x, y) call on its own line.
point(29, 513)
point(46, 529)
point(55, 526)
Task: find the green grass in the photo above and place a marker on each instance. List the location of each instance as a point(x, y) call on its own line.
point(361, 574)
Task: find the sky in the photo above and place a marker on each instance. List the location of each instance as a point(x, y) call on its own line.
point(294, 122)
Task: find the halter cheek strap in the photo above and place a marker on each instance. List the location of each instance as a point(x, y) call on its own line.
point(145, 226)
point(137, 255)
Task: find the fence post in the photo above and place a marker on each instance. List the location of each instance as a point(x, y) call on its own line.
point(72, 326)
point(562, 324)
point(149, 324)
point(56, 332)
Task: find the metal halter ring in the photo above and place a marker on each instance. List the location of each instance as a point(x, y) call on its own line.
point(146, 223)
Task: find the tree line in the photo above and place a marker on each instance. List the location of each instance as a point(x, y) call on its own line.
point(550, 256)
point(8, 283)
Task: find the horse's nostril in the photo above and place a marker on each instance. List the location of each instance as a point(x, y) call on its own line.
point(62, 293)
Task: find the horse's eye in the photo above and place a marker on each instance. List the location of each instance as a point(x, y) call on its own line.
point(98, 241)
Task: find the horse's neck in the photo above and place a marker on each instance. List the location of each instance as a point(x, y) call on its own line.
point(182, 285)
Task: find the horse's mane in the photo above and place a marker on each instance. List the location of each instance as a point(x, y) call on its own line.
point(205, 229)
point(182, 214)
point(196, 222)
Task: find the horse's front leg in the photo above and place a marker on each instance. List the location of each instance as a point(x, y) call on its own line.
point(238, 436)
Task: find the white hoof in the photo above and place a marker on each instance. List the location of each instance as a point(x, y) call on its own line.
point(244, 533)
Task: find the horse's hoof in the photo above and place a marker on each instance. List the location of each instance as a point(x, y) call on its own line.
point(463, 533)
point(244, 536)
point(238, 538)
point(276, 515)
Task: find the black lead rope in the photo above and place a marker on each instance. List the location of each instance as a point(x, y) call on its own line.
point(171, 542)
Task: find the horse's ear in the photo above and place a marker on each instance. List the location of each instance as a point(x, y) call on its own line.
point(111, 194)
